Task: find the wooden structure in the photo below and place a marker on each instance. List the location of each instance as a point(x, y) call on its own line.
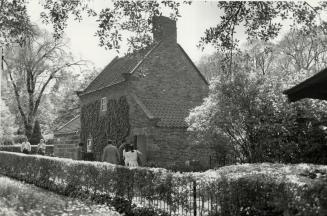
point(315, 87)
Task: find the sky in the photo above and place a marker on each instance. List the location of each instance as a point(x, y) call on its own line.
point(195, 18)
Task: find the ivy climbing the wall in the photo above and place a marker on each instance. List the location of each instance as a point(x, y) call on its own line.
point(113, 124)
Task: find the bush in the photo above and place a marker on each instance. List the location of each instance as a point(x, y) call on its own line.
point(19, 138)
point(148, 212)
point(6, 141)
point(249, 189)
point(50, 141)
point(191, 166)
point(16, 148)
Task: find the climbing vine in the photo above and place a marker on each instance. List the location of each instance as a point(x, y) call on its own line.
point(101, 126)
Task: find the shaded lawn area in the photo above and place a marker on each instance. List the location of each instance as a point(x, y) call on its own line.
point(18, 198)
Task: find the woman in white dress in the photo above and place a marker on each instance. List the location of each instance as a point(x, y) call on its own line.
point(130, 156)
point(25, 146)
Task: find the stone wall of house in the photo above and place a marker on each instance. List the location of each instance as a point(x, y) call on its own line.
point(171, 146)
point(66, 145)
point(165, 146)
point(167, 74)
point(112, 92)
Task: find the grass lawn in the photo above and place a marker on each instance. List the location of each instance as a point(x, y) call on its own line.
point(18, 198)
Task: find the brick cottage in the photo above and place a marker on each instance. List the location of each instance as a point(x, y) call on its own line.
point(160, 85)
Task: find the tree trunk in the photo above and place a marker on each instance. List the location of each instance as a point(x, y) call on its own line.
point(29, 126)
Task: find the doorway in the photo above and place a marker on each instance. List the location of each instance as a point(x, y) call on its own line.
point(141, 145)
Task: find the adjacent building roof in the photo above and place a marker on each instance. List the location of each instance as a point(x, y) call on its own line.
point(72, 126)
point(315, 87)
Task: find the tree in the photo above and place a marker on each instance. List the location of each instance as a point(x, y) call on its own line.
point(249, 108)
point(8, 125)
point(32, 68)
point(36, 135)
point(14, 22)
point(303, 50)
point(260, 19)
point(65, 97)
point(131, 16)
point(211, 66)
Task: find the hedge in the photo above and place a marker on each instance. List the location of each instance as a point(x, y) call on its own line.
point(249, 189)
point(16, 148)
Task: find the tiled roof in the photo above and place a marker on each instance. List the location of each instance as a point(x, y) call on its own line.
point(70, 127)
point(170, 114)
point(113, 72)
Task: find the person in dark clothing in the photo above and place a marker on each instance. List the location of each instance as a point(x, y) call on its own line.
point(80, 151)
point(121, 148)
point(110, 154)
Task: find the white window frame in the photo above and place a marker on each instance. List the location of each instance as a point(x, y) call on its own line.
point(103, 105)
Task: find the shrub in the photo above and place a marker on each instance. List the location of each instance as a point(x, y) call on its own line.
point(249, 189)
point(16, 148)
point(6, 141)
point(148, 212)
point(191, 166)
point(50, 141)
point(19, 138)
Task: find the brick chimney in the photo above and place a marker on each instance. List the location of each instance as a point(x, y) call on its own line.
point(164, 28)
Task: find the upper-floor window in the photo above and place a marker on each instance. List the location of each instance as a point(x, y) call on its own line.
point(103, 106)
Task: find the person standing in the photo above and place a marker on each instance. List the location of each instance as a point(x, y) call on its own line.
point(121, 149)
point(80, 151)
point(41, 147)
point(26, 146)
point(131, 156)
point(110, 153)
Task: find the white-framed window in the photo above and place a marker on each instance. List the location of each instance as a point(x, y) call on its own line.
point(89, 144)
point(103, 106)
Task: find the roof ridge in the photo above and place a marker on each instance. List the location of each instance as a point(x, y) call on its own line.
point(131, 71)
point(61, 127)
point(145, 56)
point(192, 63)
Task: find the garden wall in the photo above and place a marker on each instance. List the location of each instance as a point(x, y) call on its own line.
point(66, 145)
point(16, 148)
point(250, 189)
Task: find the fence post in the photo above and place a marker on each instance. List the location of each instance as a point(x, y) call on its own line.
point(194, 198)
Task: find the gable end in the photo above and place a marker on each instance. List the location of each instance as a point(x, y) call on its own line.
point(194, 66)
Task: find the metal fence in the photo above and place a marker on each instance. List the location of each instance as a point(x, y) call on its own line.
point(192, 202)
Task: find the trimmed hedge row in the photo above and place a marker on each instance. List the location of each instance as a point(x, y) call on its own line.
point(16, 148)
point(250, 189)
